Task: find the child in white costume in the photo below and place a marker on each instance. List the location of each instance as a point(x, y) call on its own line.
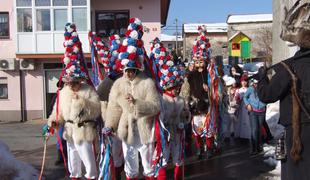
point(174, 112)
point(78, 106)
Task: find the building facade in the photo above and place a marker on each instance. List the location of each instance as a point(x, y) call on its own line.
point(31, 54)
point(217, 34)
point(171, 42)
point(257, 28)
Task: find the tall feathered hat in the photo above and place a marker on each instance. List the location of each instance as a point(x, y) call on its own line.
point(202, 46)
point(158, 52)
point(169, 74)
point(131, 52)
point(74, 68)
point(115, 64)
point(101, 48)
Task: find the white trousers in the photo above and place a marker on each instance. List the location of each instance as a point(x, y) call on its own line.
point(117, 152)
point(131, 156)
point(174, 148)
point(78, 153)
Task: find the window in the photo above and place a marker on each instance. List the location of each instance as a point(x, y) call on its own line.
point(235, 46)
point(43, 20)
point(79, 3)
point(60, 19)
point(170, 46)
point(79, 17)
point(24, 20)
point(112, 22)
point(4, 25)
point(3, 88)
point(42, 2)
point(60, 2)
point(25, 3)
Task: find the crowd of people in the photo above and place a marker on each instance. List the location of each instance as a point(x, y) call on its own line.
point(151, 106)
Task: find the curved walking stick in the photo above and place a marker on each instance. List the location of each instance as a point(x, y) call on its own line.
point(43, 158)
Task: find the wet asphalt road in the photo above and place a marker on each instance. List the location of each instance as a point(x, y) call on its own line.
point(234, 162)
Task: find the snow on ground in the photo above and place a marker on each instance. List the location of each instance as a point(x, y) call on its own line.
point(272, 118)
point(12, 169)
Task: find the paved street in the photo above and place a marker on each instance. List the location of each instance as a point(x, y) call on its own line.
point(25, 141)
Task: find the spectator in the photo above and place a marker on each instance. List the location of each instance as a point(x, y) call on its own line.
point(257, 112)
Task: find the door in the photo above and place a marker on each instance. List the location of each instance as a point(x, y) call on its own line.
point(245, 49)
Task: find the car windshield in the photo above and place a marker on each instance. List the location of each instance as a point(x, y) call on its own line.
point(252, 67)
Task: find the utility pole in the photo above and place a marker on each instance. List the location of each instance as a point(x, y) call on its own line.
point(176, 37)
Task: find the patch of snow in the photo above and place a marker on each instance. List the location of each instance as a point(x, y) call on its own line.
point(211, 27)
point(272, 118)
point(246, 18)
point(166, 37)
point(271, 161)
point(11, 168)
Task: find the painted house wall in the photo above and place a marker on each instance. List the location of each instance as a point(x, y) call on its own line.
point(7, 46)
point(149, 14)
point(281, 49)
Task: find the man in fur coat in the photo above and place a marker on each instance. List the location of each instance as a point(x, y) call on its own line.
point(133, 105)
point(291, 82)
point(197, 95)
point(174, 111)
point(77, 106)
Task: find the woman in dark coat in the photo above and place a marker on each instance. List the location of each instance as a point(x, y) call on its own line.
point(297, 165)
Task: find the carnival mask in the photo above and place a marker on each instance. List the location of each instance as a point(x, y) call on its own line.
point(200, 65)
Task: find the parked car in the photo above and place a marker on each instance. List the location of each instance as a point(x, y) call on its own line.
point(252, 68)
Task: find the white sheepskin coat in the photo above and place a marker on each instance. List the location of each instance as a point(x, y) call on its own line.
point(69, 109)
point(174, 111)
point(127, 119)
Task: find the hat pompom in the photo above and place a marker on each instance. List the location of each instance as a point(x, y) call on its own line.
point(134, 34)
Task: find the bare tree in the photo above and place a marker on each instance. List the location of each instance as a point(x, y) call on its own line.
point(263, 47)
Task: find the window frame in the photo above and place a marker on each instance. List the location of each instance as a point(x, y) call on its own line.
point(4, 81)
point(111, 11)
point(8, 16)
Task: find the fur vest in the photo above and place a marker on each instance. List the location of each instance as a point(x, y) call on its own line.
point(73, 111)
point(174, 112)
point(127, 119)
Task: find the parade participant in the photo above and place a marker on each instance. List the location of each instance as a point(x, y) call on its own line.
point(290, 84)
point(174, 111)
point(77, 106)
point(257, 113)
point(133, 105)
point(112, 72)
point(205, 87)
point(198, 90)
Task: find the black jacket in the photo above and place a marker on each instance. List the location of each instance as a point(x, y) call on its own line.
point(279, 87)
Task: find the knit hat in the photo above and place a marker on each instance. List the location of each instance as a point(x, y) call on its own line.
point(74, 65)
point(201, 46)
point(169, 74)
point(131, 52)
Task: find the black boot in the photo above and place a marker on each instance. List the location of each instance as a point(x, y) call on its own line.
point(59, 159)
